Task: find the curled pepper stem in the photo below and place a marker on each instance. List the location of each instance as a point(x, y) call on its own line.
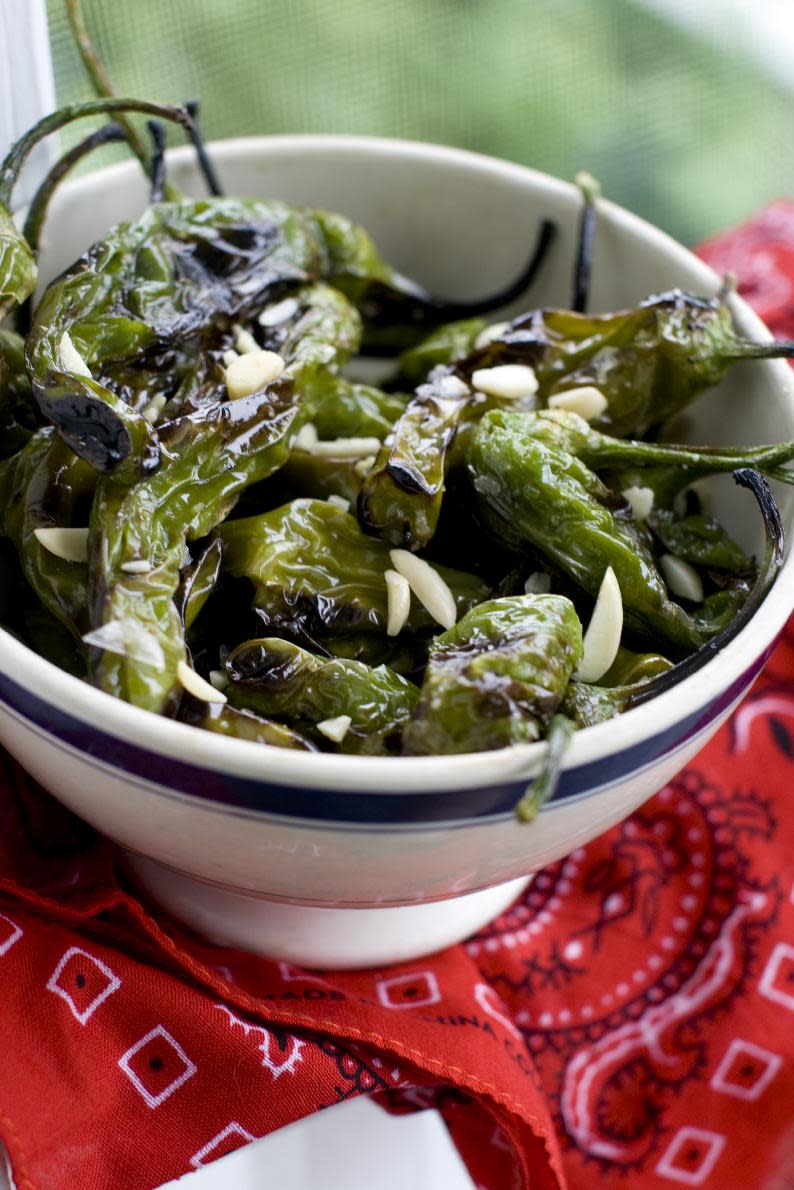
point(104, 87)
point(18, 154)
point(157, 133)
point(454, 310)
point(746, 477)
point(583, 268)
point(207, 168)
point(37, 212)
point(535, 796)
point(100, 77)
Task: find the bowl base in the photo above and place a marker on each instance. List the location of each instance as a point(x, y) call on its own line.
point(317, 936)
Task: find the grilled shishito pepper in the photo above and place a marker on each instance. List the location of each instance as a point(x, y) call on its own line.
point(18, 414)
point(400, 498)
point(497, 677)
point(536, 493)
point(664, 467)
point(277, 678)
point(242, 725)
point(47, 485)
point(700, 540)
point(220, 452)
point(445, 345)
point(315, 572)
point(649, 362)
point(182, 270)
point(211, 456)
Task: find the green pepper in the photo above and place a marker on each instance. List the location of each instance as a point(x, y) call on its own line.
point(197, 581)
point(185, 268)
point(445, 345)
point(276, 677)
point(700, 540)
point(666, 467)
point(49, 486)
point(18, 271)
point(340, 409)
point(587, 703)
point(401, 496)
point(534, 493)
point(17, 265)
point(649, 362)
point(497, 677)
point(242, 725)
point(18, 414)
point(315, 571)
point(219, 453)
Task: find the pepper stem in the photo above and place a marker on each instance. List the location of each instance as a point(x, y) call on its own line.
point(100, 78)
point(747, 349)
point(558, 737)
point(157, 133)
point(746, 477)
point(17, 155)
point(451, 310)
point(37, 212)
point(207, 168)
point(583, 268)
point(706, 460)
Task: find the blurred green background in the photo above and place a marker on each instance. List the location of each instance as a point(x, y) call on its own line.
point(684, 112)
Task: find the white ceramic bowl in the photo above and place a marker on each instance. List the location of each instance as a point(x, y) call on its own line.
point(355, 861)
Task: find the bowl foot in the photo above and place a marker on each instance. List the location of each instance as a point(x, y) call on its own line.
point(317, 936)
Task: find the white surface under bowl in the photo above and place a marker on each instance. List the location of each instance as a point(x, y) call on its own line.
point(329, 860)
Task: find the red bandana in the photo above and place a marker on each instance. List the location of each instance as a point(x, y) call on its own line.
point(632, 1014)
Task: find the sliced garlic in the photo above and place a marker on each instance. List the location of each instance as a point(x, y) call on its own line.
point(641, 501)
point(219, 679)
point(251, 372)
point(339, 502)
point(335, 729)
point(306, 437)
point(427, 585)
point(69, 544)
point(280, 312)
point(195, 684)
point(452, 387)
point(127, 639)
point(490, 334)
point(363, 467)
point(538, 583)
point(152, 410)
point(588, 401)
point(681, 577)
point(509, 381)
point(71, 359)
point(229, 356)
point(244, 341)
point(136, 566)
point(345, 448)
point(398, 593)
point(602, 638)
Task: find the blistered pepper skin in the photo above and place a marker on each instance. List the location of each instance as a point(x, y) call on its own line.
point(649, 362)
point(182, 270)
point(314, 571)
point(497, 677)
point(277, 678)
point(18, 415)
point(401, 496)
point(537, 494)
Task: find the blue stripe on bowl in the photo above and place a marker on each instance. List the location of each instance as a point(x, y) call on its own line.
point(404, 808)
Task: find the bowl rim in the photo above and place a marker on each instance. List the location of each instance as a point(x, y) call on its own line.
point(362, 774)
